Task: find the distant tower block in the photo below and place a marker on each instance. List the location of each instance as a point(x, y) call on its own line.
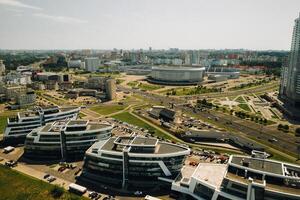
point(111, 89)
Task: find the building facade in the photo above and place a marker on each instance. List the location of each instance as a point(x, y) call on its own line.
point(19, 126)
point(92, 64)
point(177, 75)
point(2, 67)
point(64, 139)
point(290, 77)
point(133, 162)
point(243, 178)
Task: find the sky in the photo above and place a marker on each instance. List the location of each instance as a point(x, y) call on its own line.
point(135, 24)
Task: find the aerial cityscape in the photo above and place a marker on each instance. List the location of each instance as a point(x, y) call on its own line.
point(154, 100)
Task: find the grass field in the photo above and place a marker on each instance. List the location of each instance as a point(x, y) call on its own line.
point(107, 109)
point(3, 119)
point(190, 91)
point(245, 107)
point(240, 99)
point(130, 119)
point(81, 115)
point(144, 86)
point(17, 186)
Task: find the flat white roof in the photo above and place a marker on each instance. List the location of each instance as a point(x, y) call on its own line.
point(210, 173)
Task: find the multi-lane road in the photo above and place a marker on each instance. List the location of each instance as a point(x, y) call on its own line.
point(282, 142)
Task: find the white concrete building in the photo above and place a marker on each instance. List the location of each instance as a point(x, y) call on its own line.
point(92, 64)
point(75, 64)
point(177, 75)
point(243, 178)
point(65, 139)
point(19, 126)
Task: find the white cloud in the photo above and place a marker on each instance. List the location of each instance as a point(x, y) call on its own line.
point(15, 3)
point(62, 19)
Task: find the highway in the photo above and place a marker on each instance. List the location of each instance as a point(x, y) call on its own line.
point(258, 89)
point(286, 143)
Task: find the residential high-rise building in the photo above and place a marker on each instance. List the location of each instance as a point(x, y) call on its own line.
point(111, 89)
point(92, 64)
point(290, 79)
point(2, 67)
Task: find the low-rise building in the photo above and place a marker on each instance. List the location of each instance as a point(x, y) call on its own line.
point(242, 178)
point(133, 162)
point(64, 139)
point(24, 122)
point(26, 99)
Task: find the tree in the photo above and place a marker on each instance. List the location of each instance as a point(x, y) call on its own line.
point(286, 127)
point(297, 132)
point(280, 126)
point(56, 191)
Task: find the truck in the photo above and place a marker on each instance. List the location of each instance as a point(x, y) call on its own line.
point(8, 149)
point(77, 189)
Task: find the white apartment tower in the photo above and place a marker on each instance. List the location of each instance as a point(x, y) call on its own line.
point(92, 64)
point(290, 79)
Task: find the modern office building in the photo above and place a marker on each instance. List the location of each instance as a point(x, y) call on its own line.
point(19, 126)
point(229, 73)
point(290, 77)
point(26, 99)
point(75, 64)
point(12, 91)
point(177, 75)
point(133, 162)
point(241, 178)
point(92, 64)
point(64, 139)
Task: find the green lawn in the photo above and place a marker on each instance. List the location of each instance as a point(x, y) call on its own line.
point(81, 115)
point(108, 109)
point(190, 91)
point(245, 107)
point(144, 86)
point(3, 119)
point(130, 119)
point(17, 186)
point(240, 99)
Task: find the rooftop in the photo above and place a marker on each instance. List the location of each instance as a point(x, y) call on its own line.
point(29, 114)
point(210, 173)
point(59, 125)
point(258, 164)
point(117, 144)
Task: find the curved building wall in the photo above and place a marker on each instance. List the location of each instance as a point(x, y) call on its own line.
point(177, 75)
point(49, 145)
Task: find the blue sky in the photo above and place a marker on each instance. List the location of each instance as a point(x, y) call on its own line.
point(134, 24)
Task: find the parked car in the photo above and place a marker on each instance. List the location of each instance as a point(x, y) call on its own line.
point(46, 176)
point(11, 163)
point(50, 179)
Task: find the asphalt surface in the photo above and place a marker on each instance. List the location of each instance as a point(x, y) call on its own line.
point(276, 139)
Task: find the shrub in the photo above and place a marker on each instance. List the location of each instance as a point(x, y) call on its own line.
point(57, 191)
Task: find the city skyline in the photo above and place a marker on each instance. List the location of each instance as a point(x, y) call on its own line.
point(131, 24)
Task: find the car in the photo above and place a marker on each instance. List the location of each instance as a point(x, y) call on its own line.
point(93, 194)
point(138, 193)
point(50, 179)
point(11, 163)
point(46, 176)
point(61, 169)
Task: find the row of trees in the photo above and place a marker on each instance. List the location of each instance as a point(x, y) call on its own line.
point(284, 128)
point(13, 61)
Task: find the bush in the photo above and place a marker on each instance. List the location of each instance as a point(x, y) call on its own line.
point(57, 191)
point(297, 132)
